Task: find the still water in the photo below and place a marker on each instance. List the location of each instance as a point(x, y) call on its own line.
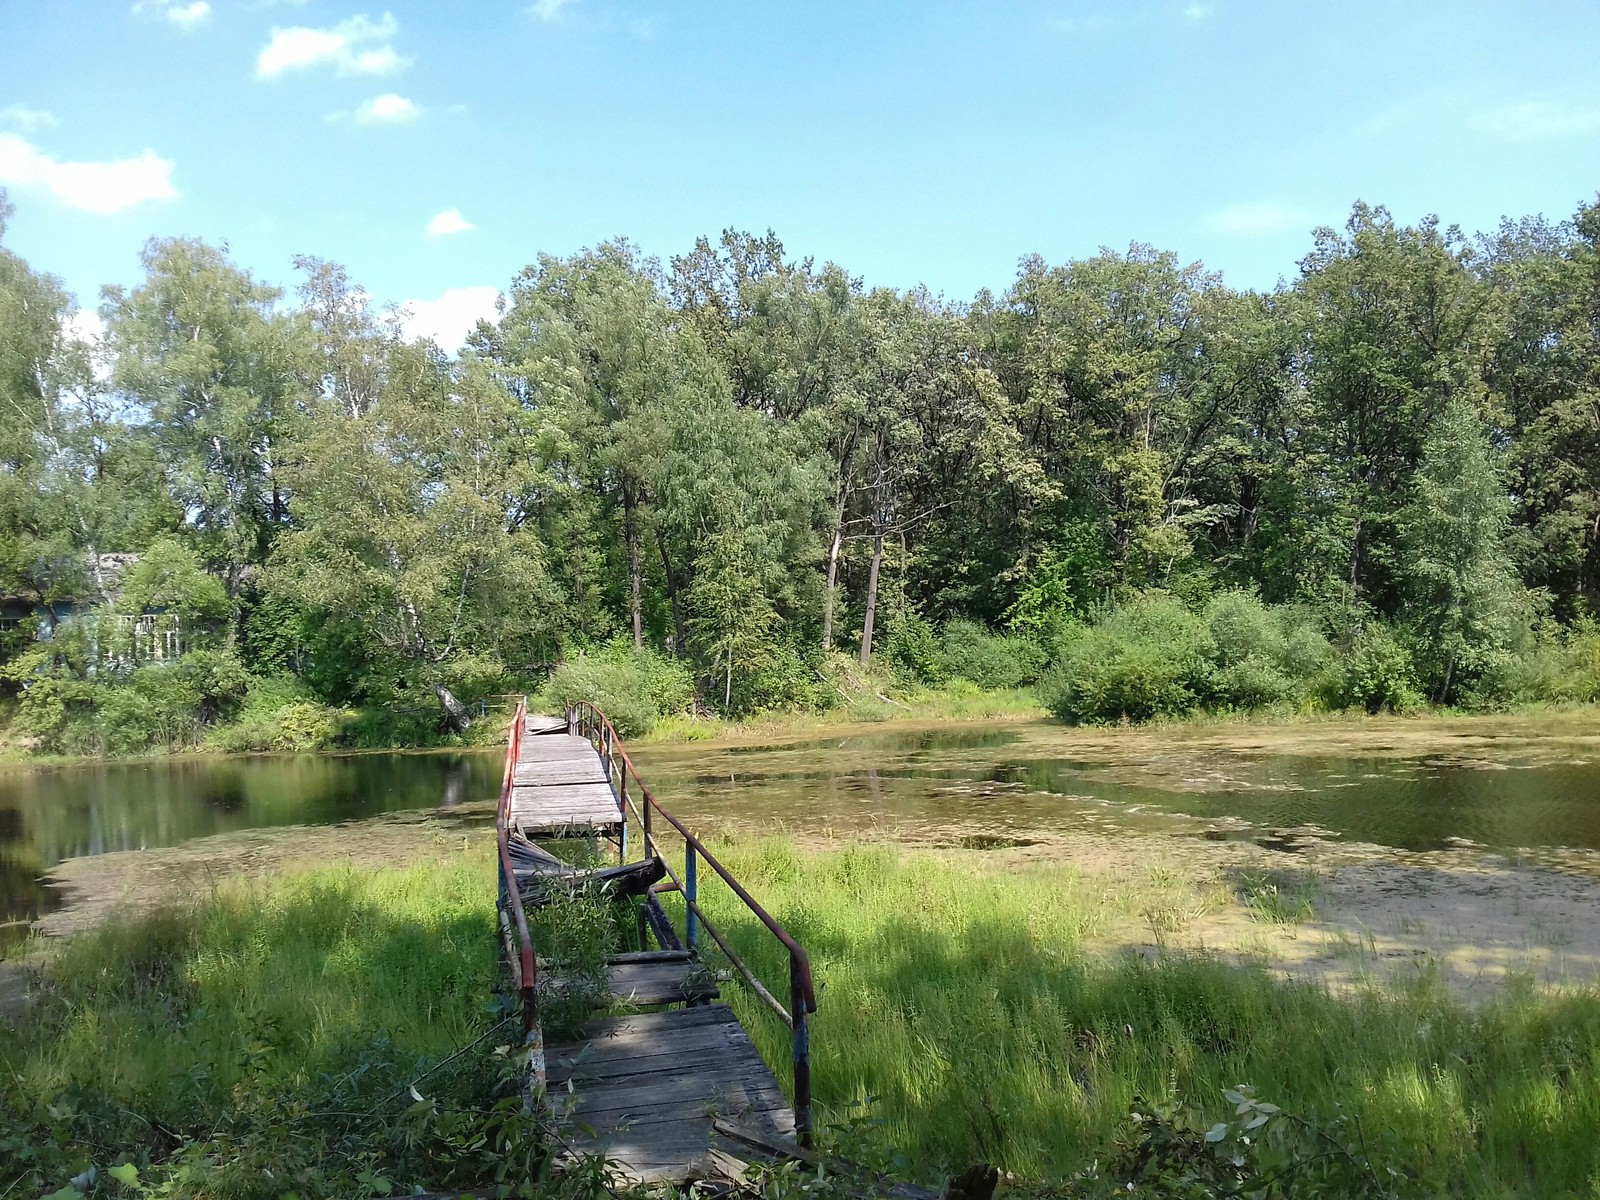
point(1525, 790)
point(48, 814)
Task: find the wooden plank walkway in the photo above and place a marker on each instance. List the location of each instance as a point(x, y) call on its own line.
point(650, 1085)
point(658, 1064)
point(559, 784)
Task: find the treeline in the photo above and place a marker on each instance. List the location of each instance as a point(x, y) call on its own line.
point(705, 482)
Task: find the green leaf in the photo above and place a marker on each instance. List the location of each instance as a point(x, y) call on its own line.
point(67, 1193)
point(1217, 1132)
point(126, 1174)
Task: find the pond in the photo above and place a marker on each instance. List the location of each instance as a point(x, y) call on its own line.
point(51, 813)
point(1506, 785)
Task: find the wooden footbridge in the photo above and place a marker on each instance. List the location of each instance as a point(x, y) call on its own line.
point(662, 1079)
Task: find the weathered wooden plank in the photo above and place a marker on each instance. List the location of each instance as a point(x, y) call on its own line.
point(631, 1028)
point(547, 775)
point(554, 745)
point(660, 983)
point(690, 1053)
point(635, 956)
point(556, 795)
point(602, 1058)
point(543, 724)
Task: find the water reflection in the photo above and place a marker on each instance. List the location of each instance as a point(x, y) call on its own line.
point(47, 815)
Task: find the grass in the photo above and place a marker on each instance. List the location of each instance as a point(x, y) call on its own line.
point(254, 1030)
point(966, 1007)
point(959, 701)
point(973, 1014)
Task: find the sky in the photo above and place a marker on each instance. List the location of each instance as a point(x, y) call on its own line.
point(435, 149)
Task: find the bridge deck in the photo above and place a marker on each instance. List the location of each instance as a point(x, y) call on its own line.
point(658, 1063)
point(650, 1084)
point(559, 783)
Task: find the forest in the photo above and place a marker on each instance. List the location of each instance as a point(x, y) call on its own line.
point(255, 516)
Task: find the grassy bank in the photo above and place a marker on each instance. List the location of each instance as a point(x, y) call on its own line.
point(263, 1043)
point(966, 1013)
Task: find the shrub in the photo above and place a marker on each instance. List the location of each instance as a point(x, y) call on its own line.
point(1376, 674)
point(635, 688)
point(787, 678)
point(1145, 659)
point(912, 648)
point(1262, 655)
point(969, 651)
point(278, 715)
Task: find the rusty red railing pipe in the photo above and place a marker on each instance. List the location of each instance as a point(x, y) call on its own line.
point(511, 894)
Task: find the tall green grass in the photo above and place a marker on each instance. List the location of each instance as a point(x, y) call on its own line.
point(965, 1006)
point(258, 1043)
point(262, 1042)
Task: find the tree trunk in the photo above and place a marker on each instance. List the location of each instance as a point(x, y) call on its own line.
point(454, 710)
point(833, 573)
point(631, 531)
point(679, 644)
point(872, 598)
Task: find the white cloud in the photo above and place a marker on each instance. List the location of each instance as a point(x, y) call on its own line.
point(1198, 12)
point(349, 47)
point(387, 109)
point(187, 16)
point(548, 10)
point(1252, 220)
point(447, 222)
point(183, 15)
point(30, 119)
point(1539, 120)
point(98, 187)
point(449, 319)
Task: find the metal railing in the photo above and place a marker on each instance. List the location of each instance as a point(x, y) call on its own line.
point(514, 916)
point(585, 720)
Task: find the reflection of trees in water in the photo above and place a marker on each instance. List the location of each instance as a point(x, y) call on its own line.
point(456, 782)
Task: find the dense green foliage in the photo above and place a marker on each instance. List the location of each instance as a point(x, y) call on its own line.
point(1376, 487)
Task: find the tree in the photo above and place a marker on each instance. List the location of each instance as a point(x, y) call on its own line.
point(216, 371)
point(412, 519)
point(1394, 326)
point(1546, 370)
point(1463, 595)
point(590, 344)
point(731, 613)
point(40, 552)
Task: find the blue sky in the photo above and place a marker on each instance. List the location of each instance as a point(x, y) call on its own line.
point(929, 143)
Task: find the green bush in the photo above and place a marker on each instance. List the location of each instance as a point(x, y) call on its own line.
point(1376, 674)
point(969, 651)
point(1262, 655)
point(279, 715)
point(912, 649)
point(635, 688)
point(1147, 658)
point(786, 679)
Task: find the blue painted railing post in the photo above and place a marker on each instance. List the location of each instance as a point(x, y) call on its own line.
point(802, 1052)
point(691, 892)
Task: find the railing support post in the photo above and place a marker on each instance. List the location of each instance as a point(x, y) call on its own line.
point(691, 895)
point(802, 1052)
